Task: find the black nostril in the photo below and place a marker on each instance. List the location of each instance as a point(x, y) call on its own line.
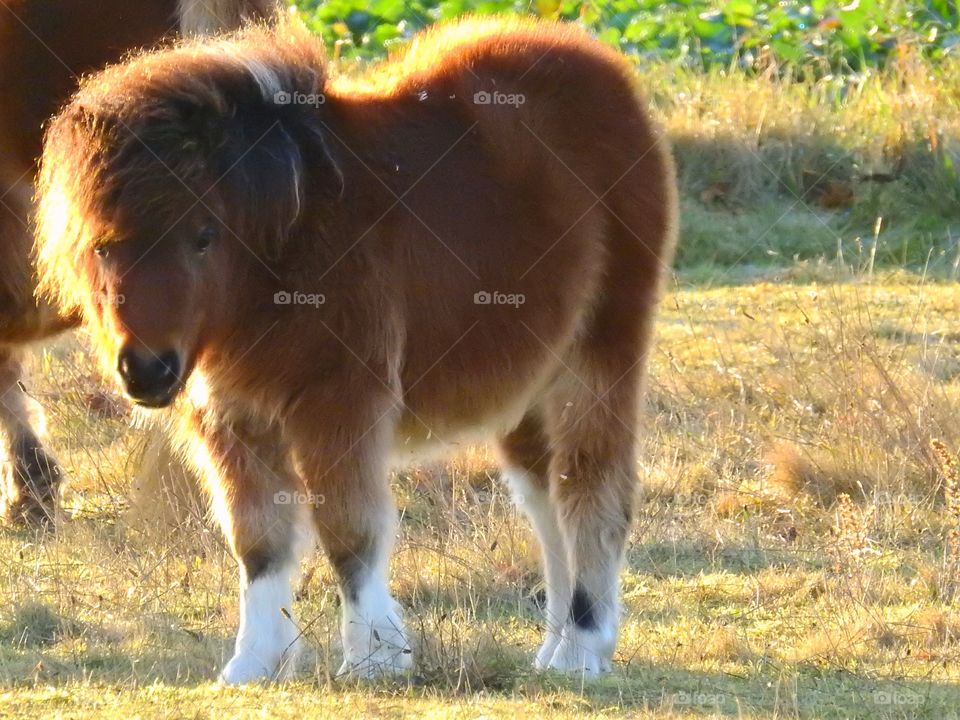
point(170, 364)
point(128, 364)
point(148, 373)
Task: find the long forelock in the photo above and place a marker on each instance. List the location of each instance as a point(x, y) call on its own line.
point(288, 60)
point(94, 147)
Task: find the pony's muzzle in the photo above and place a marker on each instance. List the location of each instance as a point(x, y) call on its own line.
point(150, 378)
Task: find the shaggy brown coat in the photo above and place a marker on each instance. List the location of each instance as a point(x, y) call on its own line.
point(469, 238)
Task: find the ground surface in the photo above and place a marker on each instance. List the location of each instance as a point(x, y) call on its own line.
point(789, 560)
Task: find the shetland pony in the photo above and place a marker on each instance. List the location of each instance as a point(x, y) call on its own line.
point(327, 275)
point(44, 47)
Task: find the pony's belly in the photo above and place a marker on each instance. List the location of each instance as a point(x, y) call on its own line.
point(421, 435)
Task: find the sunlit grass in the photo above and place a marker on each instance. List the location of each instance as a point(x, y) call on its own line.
point(775, 168)
point(788, 558)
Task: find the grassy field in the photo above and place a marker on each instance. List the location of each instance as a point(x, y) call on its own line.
point(797, 553)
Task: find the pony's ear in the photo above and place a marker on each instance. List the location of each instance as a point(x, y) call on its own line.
point(262, 169)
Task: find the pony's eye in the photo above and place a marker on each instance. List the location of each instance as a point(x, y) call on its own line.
point(101, 251)
point(205, 238)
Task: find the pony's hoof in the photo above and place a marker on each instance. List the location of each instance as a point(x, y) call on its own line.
point(577, 654)
point(546, 652)
point(29, 487)
point(245, 668)
point(372, 650)
point(27, 511)
point(383, 660)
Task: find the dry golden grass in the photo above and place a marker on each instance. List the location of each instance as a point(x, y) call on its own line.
point(792, 474)
point(858, 167)
point(791, 556)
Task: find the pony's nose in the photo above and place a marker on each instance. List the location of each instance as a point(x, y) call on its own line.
point(149, 378)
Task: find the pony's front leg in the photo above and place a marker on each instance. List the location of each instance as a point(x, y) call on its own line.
point(256, 498)
point(344, 463)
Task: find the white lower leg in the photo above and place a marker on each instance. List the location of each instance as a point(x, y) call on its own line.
point(374, 638)
point(266, 642)
point(595, 553)
point(589, 636)
point(535, 503)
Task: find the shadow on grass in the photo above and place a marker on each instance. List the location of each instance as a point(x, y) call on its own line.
point(690, 558)
point(748, 212)
point(771, 691)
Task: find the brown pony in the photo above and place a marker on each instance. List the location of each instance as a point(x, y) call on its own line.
point(344, 272)
point(44, 47)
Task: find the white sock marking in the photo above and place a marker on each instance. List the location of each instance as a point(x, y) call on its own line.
point(266, 641)
point(535, 503)
point(585, 651)
point(374, 638)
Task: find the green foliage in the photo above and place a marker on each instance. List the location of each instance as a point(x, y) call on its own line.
point(818, 35)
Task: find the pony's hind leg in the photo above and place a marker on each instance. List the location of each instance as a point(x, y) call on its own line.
point(258, 501)
point(591, 415)
point(526, 460)
point(591, 410)
point(30, 475)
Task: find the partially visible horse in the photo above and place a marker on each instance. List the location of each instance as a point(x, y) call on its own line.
point(45, 46)
point(340, 271)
